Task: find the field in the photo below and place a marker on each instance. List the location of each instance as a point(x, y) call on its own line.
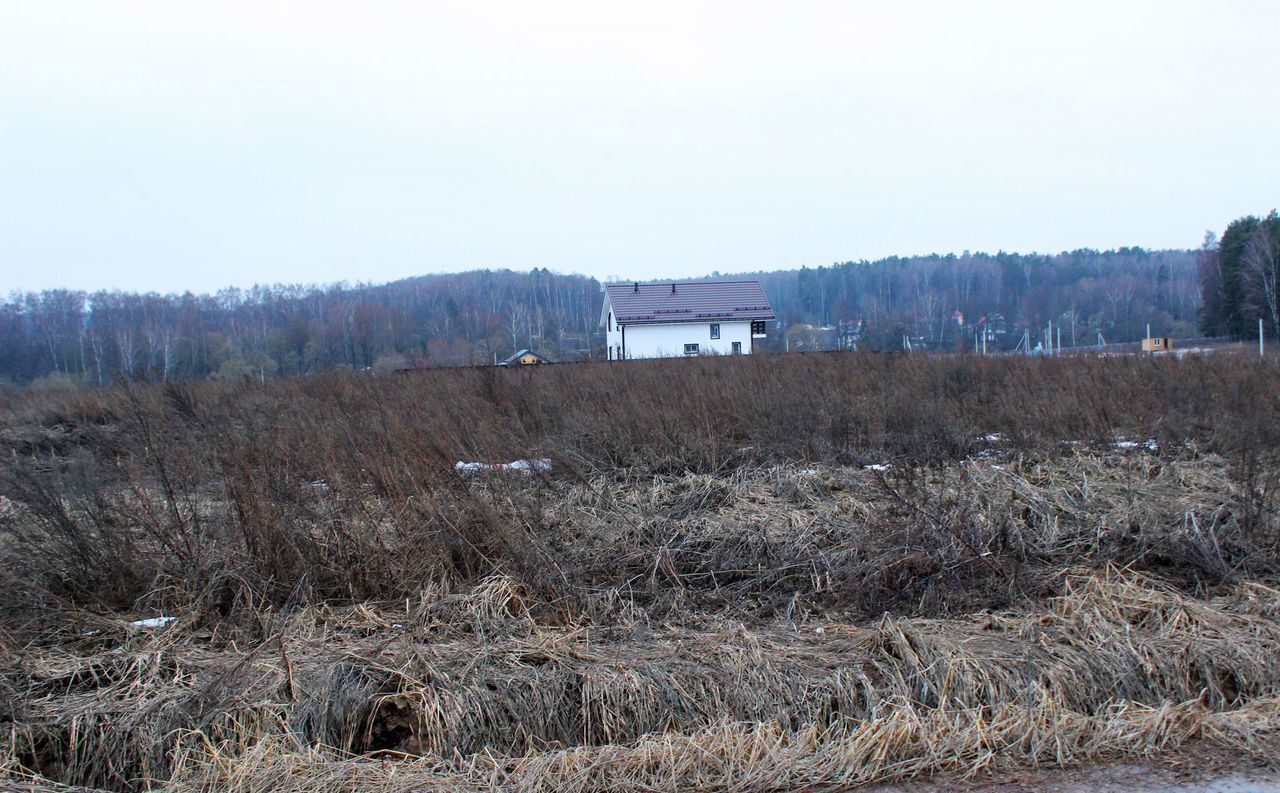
point(760, 573)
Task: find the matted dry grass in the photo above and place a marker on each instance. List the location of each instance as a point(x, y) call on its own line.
point(904, 743)
point(981, 533)
point(1116, 666)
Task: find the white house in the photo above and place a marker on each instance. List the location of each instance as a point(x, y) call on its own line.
point(674, 319)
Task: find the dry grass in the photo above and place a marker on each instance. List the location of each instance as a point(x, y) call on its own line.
point(905, 743)
point(1096, 674)
point(713, 590)
point(981, 534)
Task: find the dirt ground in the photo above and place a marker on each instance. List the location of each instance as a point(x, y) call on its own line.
point(1108, 780)
point(1115, 779)
point(1201, 770)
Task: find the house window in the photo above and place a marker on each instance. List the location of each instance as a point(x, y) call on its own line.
point(611, 322)
point(715, 330)
point(737, 348)
point(690, 349)
point(757, 327)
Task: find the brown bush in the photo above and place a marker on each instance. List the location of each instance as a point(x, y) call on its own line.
point(219, 496)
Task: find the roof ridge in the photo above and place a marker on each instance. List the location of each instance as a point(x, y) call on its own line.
point(664, 283)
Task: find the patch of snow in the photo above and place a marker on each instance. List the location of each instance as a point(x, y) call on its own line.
point(876, 467)
point(807, 471)
point(525, 467)
point(320, 486)
point(991, 437)
point(1150, 444)
point(153, 622)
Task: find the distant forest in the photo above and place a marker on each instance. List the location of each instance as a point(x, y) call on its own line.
point(61, 337)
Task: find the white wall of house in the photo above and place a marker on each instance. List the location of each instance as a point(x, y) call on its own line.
point(613, 334)
point(668, 341)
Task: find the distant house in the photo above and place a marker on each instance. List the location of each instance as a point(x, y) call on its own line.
point(524, 358)
point(670, 320)
point(993, 325)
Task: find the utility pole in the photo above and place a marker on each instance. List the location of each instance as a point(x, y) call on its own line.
point(1260, 347)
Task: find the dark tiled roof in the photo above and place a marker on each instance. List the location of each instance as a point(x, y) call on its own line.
point(703, 301)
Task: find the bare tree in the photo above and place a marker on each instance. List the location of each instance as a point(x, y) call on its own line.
point(1262, 275)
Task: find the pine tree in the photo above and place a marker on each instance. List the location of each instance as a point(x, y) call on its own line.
point(1231, 250)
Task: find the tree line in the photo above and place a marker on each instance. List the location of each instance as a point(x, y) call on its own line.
point(269, 331)
point(945, 301)
point(63, 336)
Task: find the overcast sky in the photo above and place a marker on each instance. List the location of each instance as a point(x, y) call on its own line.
point(173, 145)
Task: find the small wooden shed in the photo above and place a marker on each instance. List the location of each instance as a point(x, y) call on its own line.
point(524, 358)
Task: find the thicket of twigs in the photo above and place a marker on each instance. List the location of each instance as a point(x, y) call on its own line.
point(648, 610)
point(343, 486)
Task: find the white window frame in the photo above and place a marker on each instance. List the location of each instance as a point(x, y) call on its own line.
point(691, 349)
